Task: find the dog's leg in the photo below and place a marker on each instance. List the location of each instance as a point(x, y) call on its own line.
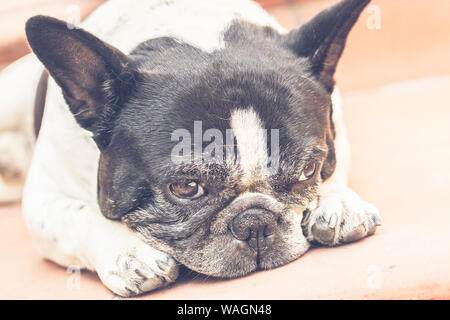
point(17, 91)
point(18, 83)
point(74, 233)
point(15, 154)
point(341, 215)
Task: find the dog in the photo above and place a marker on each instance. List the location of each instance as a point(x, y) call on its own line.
point(116, 183)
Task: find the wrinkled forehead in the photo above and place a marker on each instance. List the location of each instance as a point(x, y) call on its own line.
point(253, 117)
point(247, 148)
point(241, 142)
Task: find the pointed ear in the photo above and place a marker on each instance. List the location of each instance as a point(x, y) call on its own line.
point(322, 39)
point(94, 76)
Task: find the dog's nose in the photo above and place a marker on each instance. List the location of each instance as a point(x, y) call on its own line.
point(255, 226)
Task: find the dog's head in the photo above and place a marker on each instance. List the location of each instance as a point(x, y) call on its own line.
point(212, 156)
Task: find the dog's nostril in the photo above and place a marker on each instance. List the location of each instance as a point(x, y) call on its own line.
point(253, 226)
point(278, 220)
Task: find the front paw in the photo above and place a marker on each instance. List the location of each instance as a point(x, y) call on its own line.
point(341, 217)
point(136, 268)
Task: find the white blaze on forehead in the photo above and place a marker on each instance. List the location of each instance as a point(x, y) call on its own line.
point(251, 140)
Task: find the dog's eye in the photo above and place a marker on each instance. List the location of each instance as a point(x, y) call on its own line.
point(189, 189)
point(308, 171)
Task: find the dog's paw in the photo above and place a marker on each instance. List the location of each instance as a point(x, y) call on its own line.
point(139, 270)
point(341, 217)
point(133, 267)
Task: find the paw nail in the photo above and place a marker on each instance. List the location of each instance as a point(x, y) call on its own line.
point(306, 216)
point(376, 220)
point(323, 235)
point(163, 265)
point(332, 222)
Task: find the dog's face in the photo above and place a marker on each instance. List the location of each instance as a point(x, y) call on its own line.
point(212, 156)
point(231, 214)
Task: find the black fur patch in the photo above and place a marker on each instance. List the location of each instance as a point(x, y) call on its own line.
point(39, 102)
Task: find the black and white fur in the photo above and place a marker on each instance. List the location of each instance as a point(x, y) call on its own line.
point(96, 192)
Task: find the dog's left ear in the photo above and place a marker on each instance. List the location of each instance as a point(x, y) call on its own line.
point(322, 39)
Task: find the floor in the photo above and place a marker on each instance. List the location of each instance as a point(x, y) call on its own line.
point(395, 81)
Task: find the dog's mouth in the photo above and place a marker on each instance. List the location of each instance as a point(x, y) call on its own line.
point(255, 239)
point(238, 258)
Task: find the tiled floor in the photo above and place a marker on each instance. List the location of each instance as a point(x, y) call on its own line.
point(396, 88)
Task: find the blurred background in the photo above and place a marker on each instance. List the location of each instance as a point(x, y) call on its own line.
point(410, 40)
point(395, 80)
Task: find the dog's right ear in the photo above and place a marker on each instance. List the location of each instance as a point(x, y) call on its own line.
point(94, 77)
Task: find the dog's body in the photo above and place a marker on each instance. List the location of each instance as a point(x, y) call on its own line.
point(62, 194)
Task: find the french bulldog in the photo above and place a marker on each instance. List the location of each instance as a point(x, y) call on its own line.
point(174, 132)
